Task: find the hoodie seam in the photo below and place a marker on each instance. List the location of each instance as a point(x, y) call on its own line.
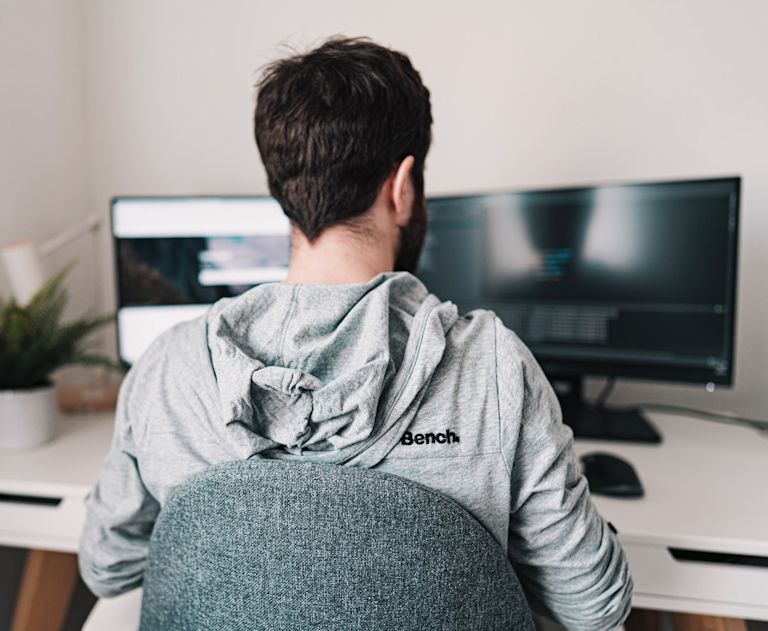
point(498, 398)
point(412, 367)
point(399, 396)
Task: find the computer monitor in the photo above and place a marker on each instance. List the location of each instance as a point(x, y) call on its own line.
point(177, 255)
point(630, 280)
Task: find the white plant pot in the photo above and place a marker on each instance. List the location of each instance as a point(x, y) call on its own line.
point(27, 417)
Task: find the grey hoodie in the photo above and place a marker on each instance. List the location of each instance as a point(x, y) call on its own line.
point(379, 375)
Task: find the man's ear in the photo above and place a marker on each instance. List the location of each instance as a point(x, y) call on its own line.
point(402, 192)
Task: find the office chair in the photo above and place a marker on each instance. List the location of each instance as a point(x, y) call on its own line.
point(264, 544)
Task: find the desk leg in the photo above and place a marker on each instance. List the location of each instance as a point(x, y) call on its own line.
point(47, 584)
point(695, 622)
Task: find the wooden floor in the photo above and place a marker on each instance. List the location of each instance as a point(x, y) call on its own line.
point(645, 620)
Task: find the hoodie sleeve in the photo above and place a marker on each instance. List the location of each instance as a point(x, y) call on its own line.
point(570, 563)
point(120, 511)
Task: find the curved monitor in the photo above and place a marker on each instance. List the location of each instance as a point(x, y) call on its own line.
point(630, 280)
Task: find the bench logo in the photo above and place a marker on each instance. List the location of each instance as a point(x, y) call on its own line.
point(442, 438)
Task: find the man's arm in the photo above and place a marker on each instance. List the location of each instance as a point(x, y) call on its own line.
point(570, 563)
point(120, 513)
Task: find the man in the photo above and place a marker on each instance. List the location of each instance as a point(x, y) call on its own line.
point(353, 363)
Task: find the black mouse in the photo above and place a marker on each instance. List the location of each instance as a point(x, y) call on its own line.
point(610, 475)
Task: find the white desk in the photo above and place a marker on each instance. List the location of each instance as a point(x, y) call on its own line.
point(706, 490)
point(64, 469)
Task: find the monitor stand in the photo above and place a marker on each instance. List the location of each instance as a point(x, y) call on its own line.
point(602, 423)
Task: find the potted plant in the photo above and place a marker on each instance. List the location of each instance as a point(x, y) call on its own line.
point(33, 344)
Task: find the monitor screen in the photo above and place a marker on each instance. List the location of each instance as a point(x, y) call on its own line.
point(625, 280)
point(176, 256)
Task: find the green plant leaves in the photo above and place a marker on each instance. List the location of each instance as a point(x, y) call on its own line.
point(34, 342)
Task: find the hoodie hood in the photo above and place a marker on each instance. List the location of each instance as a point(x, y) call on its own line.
point(326, 373)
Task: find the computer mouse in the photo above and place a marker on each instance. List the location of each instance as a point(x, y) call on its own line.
point(610, 475)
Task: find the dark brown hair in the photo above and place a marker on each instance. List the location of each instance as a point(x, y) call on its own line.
point(332, 124)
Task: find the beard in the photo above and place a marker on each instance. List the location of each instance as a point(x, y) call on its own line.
point(411, 239)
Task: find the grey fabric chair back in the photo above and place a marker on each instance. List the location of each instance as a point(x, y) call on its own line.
point(262, 544)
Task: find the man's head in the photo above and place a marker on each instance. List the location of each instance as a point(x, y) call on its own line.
point(341, 128)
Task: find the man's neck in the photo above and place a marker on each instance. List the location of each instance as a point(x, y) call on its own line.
point(338, 256)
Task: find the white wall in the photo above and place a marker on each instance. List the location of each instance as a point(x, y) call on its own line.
point(524, 93)
point(43, 173)
point(42, 170)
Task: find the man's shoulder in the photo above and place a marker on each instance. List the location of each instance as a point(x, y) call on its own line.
point(178, 343)
point(483, 331)
point(176, 360)
point(172, 376)
point(475, 322)
point(484, 350)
